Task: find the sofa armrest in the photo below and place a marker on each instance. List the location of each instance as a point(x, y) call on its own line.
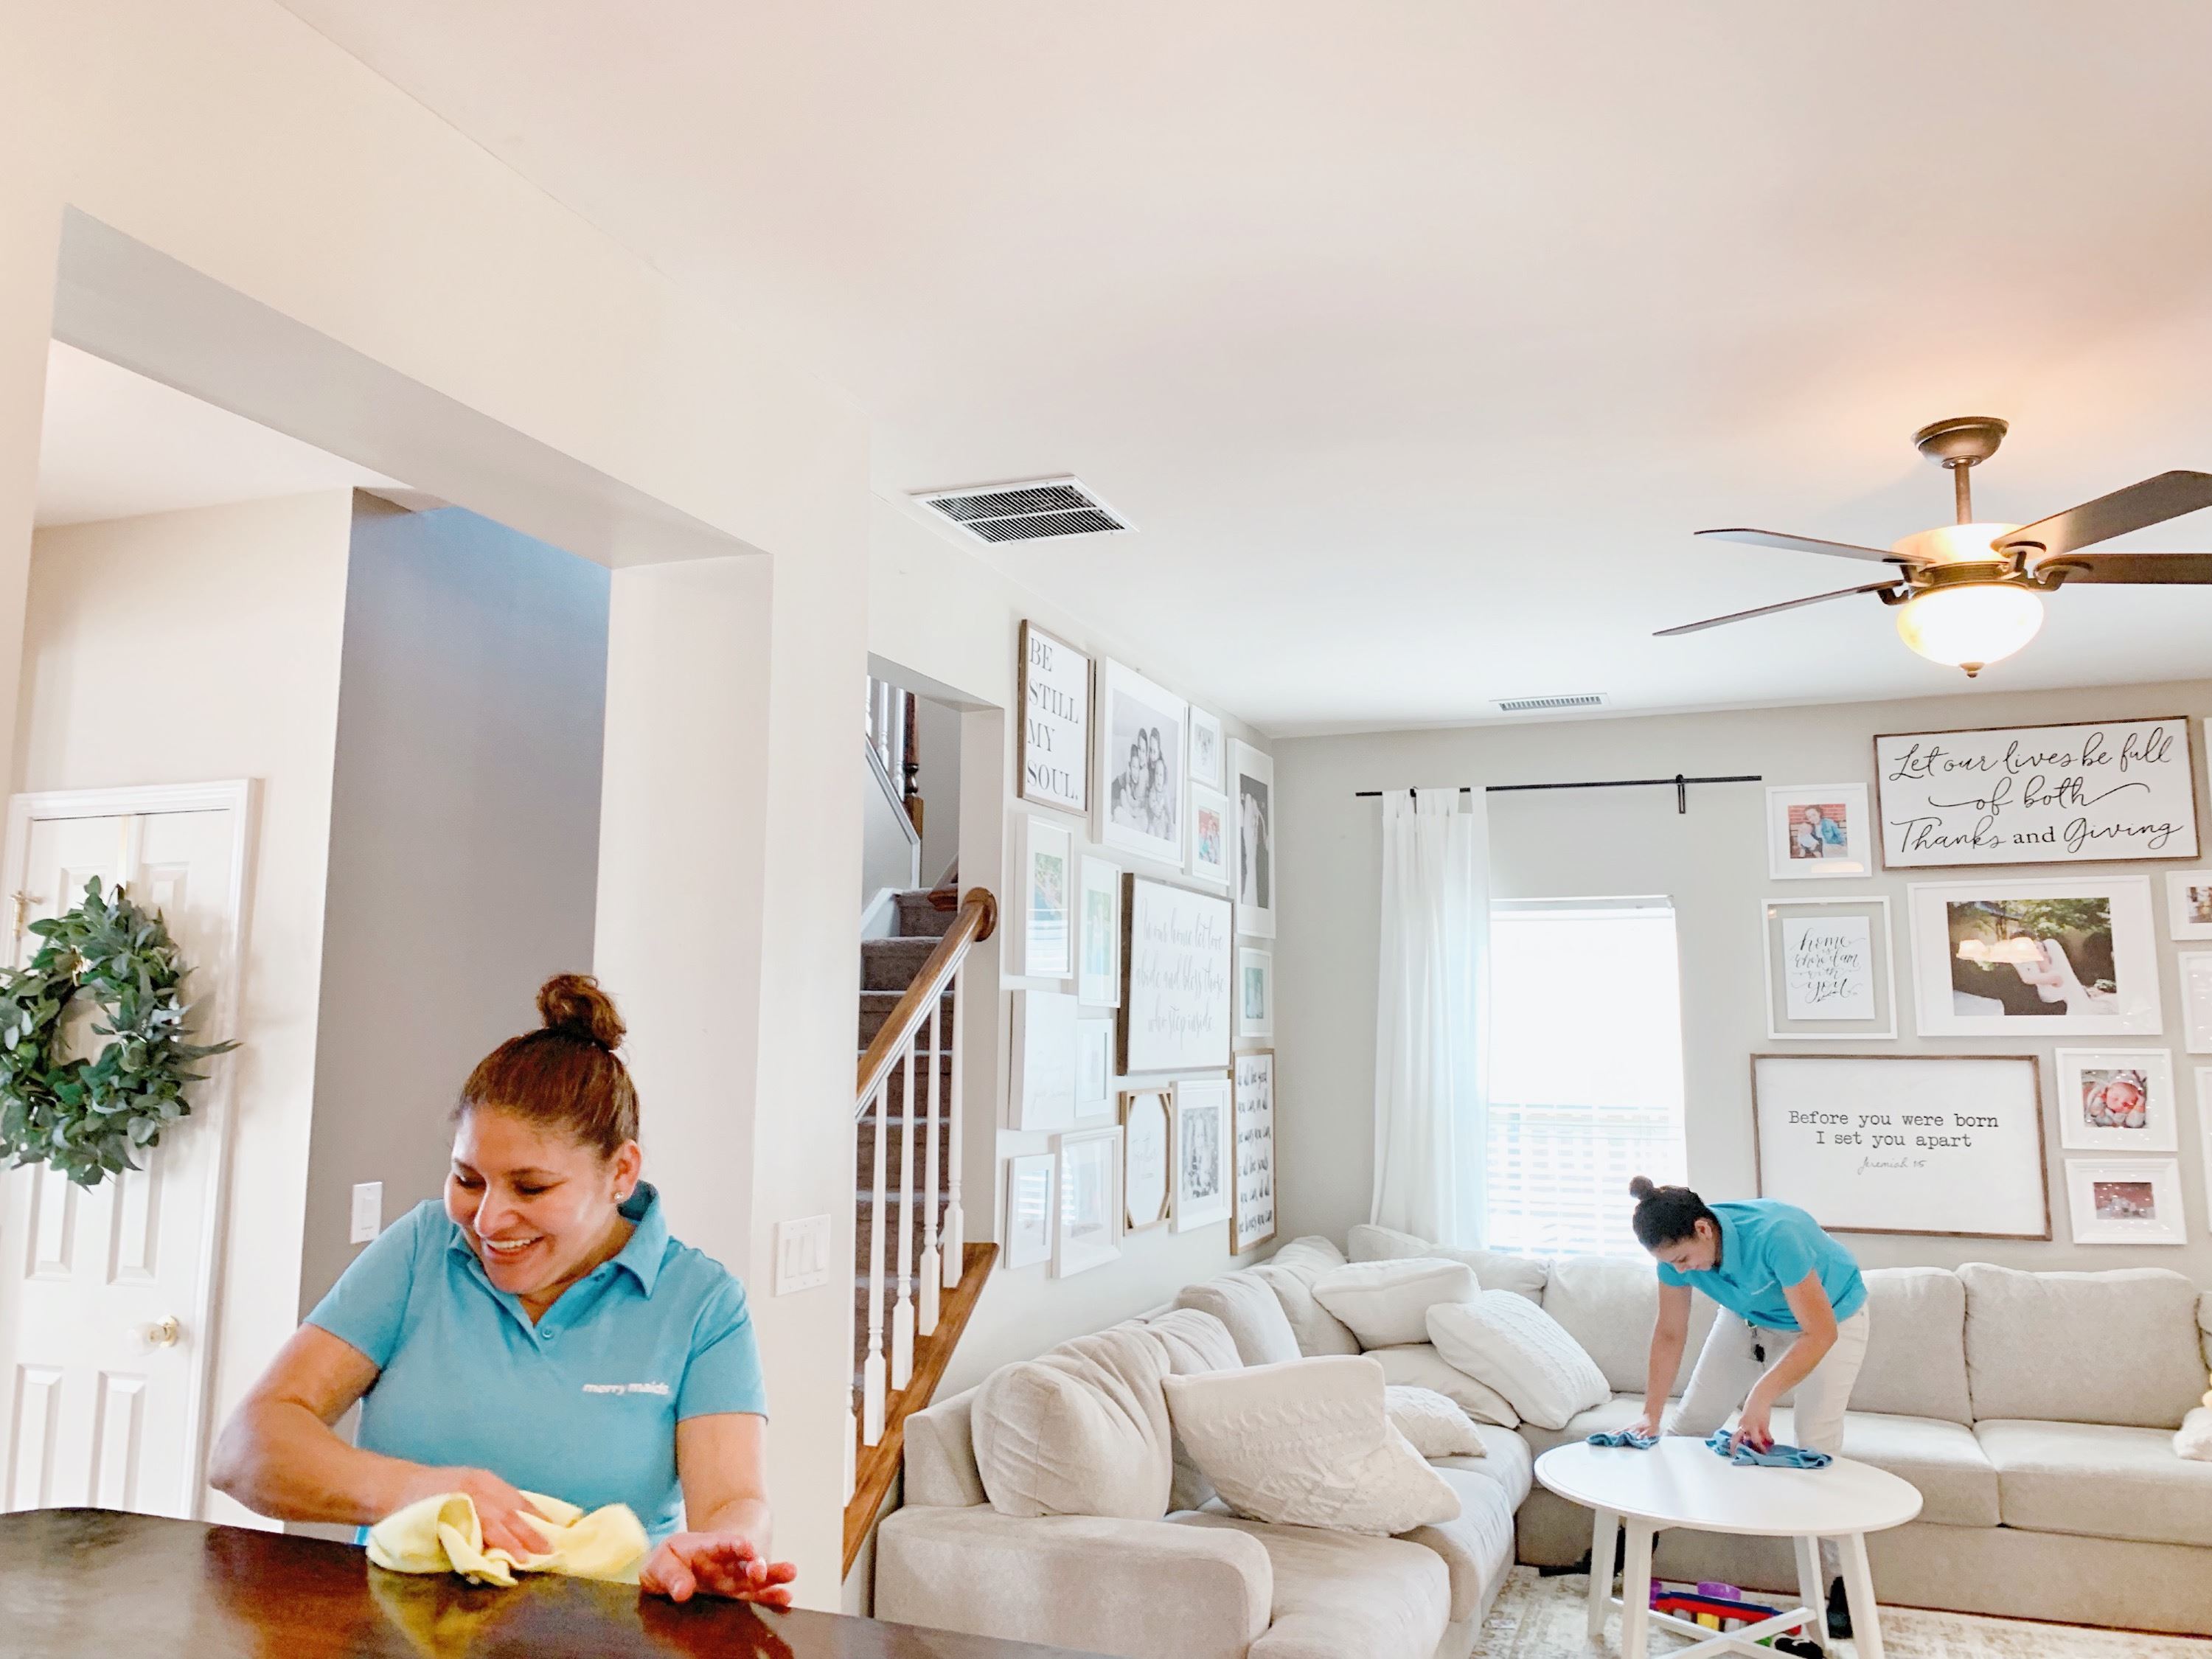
point(1132, 1588)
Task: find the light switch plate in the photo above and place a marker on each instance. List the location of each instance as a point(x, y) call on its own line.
point(367, 1212)
point(802, 1254)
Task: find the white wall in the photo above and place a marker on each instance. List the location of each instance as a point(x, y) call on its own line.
point(1711, 861)
point(235, 613)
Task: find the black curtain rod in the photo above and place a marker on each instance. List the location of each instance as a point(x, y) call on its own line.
point(1680, 784)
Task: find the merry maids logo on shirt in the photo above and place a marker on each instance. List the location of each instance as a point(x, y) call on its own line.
point(626, 1387)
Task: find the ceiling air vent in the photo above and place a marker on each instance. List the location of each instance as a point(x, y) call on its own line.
point(1027, 512)
point(1548, 705)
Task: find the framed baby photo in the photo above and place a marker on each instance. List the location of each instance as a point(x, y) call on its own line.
point(1255, 993)
point(2126, 1201)
point(1209, 835)
point(2189, 904)
point(1817, 831)
point(2117, 1100)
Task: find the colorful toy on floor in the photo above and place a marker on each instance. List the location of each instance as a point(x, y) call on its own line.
point(1714, 1606)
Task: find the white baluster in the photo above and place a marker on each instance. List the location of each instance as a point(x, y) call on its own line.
point(902, 1315)
point(872, 1373)
point(955, 1223)
point(929, 1272)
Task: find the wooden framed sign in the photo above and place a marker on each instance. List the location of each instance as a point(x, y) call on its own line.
point(1056, 746)
point(1175, 967)
point(1948, 1145)
point(2097, 791)
point(1252, 1206)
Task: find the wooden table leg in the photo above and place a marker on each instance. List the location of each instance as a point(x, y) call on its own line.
point(1636, 1594)
point(1858, 1587)
point(1811, 1591)
point(1603, 1535)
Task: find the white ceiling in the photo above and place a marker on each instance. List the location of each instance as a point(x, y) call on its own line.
point(114, 444)
point(1416, 339)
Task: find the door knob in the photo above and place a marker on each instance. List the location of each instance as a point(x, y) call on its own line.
point(164, 1332)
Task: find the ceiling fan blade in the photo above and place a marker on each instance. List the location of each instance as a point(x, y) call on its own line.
point(1807, 544)
point(2133, 567)
point(1769, 610)
point(2153, 500)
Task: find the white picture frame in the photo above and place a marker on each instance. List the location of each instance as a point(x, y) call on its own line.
point(1205, 1133)
point(1255, 993)
point(1252, 810)
point(1089, 1231)
point(1032, 1217)
point(1143, 783)
point(2204, 1125)
point(1996, 957)
point(1210, 830)
point(1209, 758)
point(1147, 1135)
point(2134, 1200)
point(1177, 964)
point(1048, 899)
point(1052, 766)
point(1252, 1188)
point(1828, 980)
point(2195, 969)
point(1094, 1068)
point(1818, 831)
point(2117, 1100)
point(2189, 904)
point(1040, 1091)
point(1098, 936)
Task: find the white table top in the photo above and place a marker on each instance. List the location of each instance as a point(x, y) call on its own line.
point(1682, 1482)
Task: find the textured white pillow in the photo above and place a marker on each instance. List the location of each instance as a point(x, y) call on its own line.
point(1419, 1365)
point(1387, 1303)
point(1081, 1430)
point(1309, 1445)
point(1436, 1426)
point(1499, 1270)
point(2193, 1440)
point(1509, 1342)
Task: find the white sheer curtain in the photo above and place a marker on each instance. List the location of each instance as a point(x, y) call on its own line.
point(1432, 1015)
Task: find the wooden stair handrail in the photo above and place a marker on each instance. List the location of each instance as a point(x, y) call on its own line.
point(977, 920)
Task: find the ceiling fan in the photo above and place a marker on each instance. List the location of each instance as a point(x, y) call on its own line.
point(1971, 592)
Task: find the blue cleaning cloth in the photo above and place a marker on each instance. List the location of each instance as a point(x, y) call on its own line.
point(1623, 1437)
point(1776, 1457)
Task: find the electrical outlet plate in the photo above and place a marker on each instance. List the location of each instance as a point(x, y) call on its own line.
point(367, 1212)
point(802, 1254)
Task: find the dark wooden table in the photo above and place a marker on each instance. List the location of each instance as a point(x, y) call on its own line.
point(101, 1585)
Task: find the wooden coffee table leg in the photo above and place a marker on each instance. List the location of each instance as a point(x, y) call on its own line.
point(1811, 1591)
point(1858, 1587)
point(1636, 1593)
point(1603, 1532)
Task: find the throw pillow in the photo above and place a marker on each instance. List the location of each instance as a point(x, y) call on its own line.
point(1499, 1270)
point(1524, 1353)
point(1386, 1304)
point(1309, 1443)
point(1081, 1430)
point(1250, 1310)
point(1436, 1426)
point(1419, 1365)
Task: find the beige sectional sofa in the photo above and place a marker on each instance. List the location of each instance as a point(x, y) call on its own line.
point(2035, 1412)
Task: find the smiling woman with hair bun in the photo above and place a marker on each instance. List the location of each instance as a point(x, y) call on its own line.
point(538, 1331)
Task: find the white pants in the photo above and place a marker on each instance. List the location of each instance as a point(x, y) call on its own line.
point(1730, 1368)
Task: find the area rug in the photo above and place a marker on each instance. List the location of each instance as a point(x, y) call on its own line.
point(1538, 1618)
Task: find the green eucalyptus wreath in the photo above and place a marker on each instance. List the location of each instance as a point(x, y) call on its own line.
point(86, 1117)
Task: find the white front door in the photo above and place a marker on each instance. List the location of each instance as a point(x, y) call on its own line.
point(105, 1295)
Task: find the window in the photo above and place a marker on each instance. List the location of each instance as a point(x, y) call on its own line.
point(1585, 1069)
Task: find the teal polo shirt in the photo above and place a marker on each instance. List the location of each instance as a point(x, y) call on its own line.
point(583, 1404)
point(1766, 1246)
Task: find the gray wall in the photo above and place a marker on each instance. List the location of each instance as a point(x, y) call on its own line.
point(1712, 863)
point(463, 838)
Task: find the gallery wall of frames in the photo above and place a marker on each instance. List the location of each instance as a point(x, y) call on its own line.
point(1139, 924)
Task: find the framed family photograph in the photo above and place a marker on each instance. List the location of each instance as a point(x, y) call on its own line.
point(1203, 1132)
point(2196, 1001)
point(1252, 803)
point(1098, 940)
point(2189, 904)
point(1029, 1214)
point(2117, 1100)
point(1252, 1191)
point(2035, 958)
point(1090, 1209)
point(1142, 776)
point(1048, 899)
point(1817, 830)
point(1209, 835)
point(1147, 1184)
point(1207, 755)
point(1053, 765)
point(2132, 1201)
point(1829, 973)
point(1255, 993)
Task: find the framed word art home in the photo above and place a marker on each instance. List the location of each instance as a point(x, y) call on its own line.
point(1828, 969)
point(2090, 792)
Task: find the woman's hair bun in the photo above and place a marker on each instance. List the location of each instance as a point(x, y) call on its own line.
point(573, 1005)
point(1641, 1188)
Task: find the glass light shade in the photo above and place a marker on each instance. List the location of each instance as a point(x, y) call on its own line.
point(1971, 625)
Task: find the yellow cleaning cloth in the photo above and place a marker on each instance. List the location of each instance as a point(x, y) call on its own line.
point(445, 1534)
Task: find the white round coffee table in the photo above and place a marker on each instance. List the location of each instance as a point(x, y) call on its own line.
point(1682, 1482)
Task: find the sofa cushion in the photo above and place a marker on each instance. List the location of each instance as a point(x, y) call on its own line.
point(1308, 1443)
point(1311, 1254)
point(1915, 1357)
point(1317, 1330)
point(2118, 1348)
point(1244, 1302)
point(1419, 1365)
point(1607, 1416)
point(1608, 1303)
point(2098, 1481)
point(1436, 1426)
point(1080, 1431)
point(1497, 1270)
point(1505, 1459)
point(1509, 1342)
point(1340, 1593)
point(1387, 1303)
point(1958, 1483)
point(1477, 1545)
point(1196, 1343)
point(939, 1457)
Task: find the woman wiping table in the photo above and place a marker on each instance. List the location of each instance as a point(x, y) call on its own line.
point(541, 1331)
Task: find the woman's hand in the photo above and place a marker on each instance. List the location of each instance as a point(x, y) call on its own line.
point(510, 1522)
point(723, 1564)
point(1646, 1426)
point(1753, 1425)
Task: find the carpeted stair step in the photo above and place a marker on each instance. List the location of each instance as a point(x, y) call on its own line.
point(920, 919)
point(877, 1007)
point(892, 964)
